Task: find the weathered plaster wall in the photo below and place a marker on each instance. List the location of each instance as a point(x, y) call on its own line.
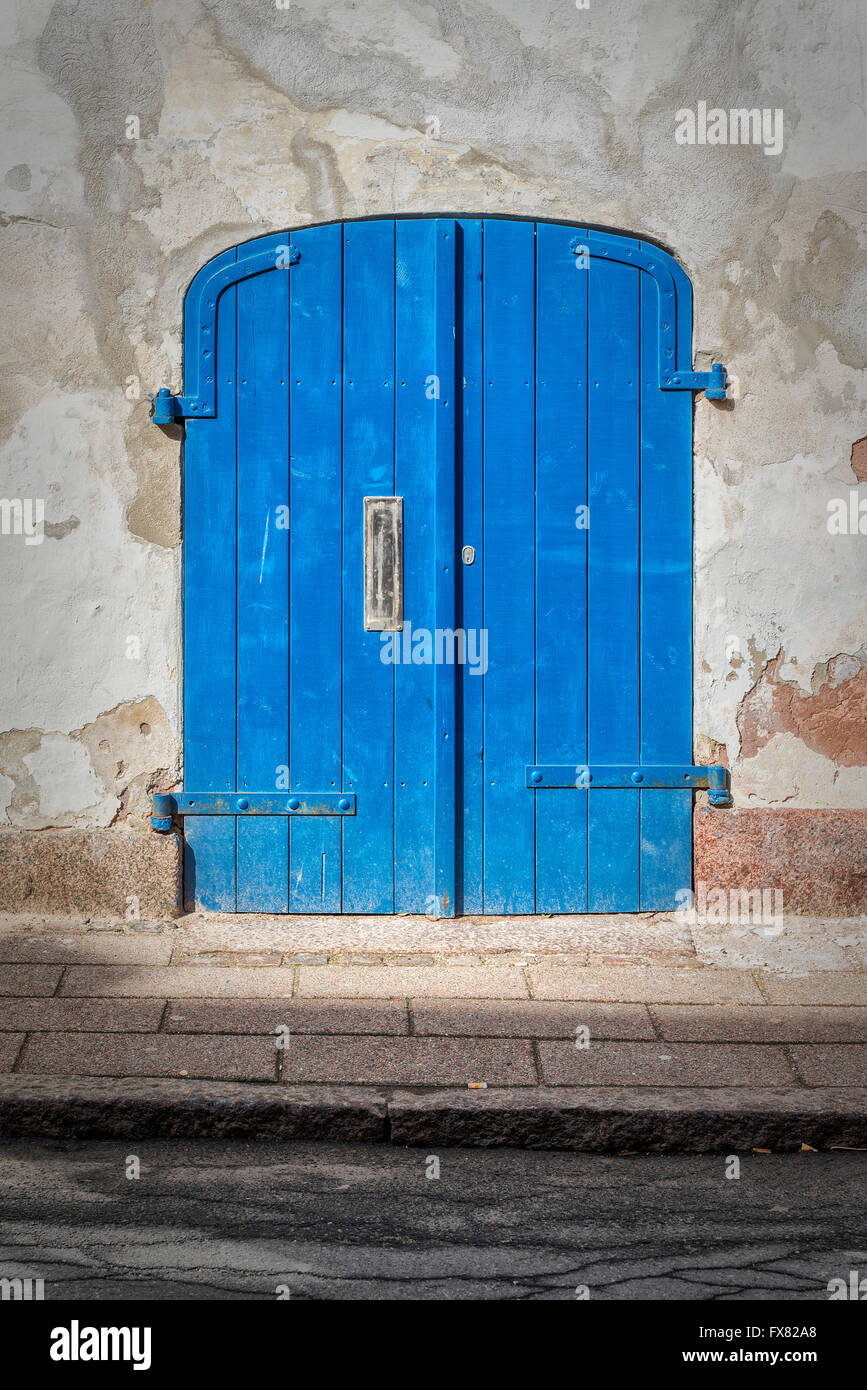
point(254, 118)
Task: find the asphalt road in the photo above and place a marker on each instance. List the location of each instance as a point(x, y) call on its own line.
point(235, 1220)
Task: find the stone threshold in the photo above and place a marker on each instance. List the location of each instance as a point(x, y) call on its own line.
point(799, 945)
point(593, 1119)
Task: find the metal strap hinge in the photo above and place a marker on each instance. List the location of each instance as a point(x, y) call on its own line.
point(649, 776)
point(713, 383)
point(169, 804)
point(169, 408)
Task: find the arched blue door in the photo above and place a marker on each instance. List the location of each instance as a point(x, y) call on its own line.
point(438, 571)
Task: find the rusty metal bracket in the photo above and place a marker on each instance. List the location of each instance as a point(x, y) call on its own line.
point(169, 804)
point(715, 779)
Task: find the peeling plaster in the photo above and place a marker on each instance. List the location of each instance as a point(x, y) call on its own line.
point(787, 773)
point(7, 789)
point(69, 792)
point(73, 608)
point(132, 750)
point(832, 720)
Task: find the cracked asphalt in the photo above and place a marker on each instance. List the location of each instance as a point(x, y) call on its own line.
point(235, 1220)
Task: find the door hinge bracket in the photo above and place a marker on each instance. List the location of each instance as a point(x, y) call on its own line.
point(169, 804)
point(168, 408)
point(714, 779)
point(713, 383)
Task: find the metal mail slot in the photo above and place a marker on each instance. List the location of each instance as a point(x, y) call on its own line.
point(383, 564)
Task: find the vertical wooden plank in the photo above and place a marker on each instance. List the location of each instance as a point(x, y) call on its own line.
point(469, 611)
point(666, 618)
point(445, 673)
point(612, 582)
point(415, 481)
point(209, 623)
point(509, 374)
point(315, 566)
point(561, 562)
point(368, 470)
point(263, 588)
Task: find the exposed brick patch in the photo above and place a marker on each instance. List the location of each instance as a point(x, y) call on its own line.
point(818, 858)
point(859, 459)
point(832, 720)
point(710, 750)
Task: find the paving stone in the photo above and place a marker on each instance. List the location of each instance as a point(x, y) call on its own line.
point(407, 981)
point(29, 980)
point(179, 981)
point(308, 958)
point(832, 1066)
point(794, 950)
point(226, 959)
point(637, 960)
point(827, 987)
point(529, 1018)
point(10, 1046)
point(408, 1061)
point(82, 1015)
point(663, 1064)
point(774, 1023)
point(151, 1054)
point(300, 1015)
point(664, 984)
point(103, 948)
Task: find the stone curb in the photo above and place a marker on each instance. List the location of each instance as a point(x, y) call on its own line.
point(96, 1108)
point(592, 1119)
point(609, 1119)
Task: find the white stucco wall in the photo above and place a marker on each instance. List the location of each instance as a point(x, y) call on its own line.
point(254, 118)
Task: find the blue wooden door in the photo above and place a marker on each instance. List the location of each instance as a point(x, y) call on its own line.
point(516, 385)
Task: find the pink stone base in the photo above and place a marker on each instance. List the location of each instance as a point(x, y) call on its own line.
point(97, 872)
point(818, 858)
